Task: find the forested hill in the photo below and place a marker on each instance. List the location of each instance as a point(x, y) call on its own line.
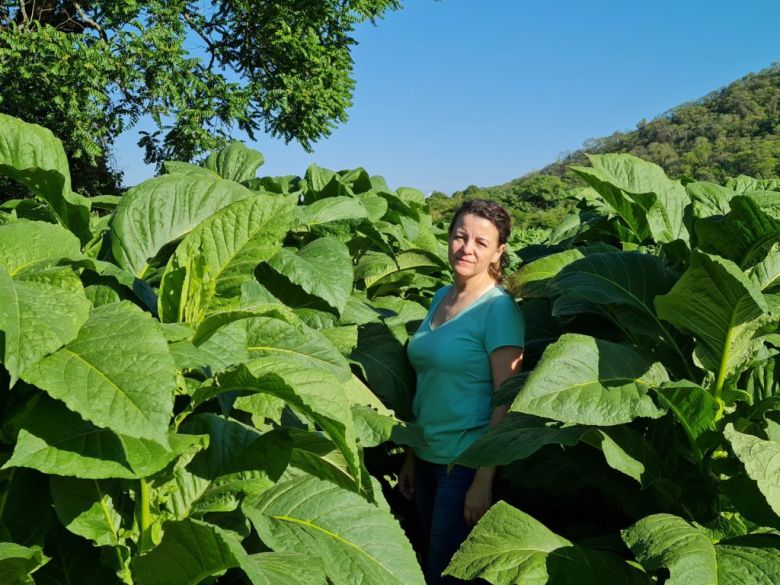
point(731, 131)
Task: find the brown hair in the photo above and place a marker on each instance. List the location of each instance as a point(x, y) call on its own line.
point(499, 217)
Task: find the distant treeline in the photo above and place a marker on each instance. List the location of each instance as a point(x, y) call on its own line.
point(732, 131)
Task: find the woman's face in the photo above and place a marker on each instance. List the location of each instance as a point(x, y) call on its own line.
point(473, 245)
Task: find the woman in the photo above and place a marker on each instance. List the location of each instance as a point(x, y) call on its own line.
point(470, 341)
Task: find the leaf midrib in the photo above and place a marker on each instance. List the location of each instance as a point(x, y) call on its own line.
point(334, 536)
point(111, 383)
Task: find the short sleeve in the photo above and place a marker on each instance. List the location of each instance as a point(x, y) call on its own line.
point(504, 324)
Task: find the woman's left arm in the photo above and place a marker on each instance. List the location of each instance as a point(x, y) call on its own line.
point(504, 362)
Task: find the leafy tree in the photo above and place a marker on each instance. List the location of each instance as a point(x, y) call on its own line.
point(91, 70)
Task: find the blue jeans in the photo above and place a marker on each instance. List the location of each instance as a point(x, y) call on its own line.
point(440, 497)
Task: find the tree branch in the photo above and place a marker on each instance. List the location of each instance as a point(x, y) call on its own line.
point(23, 12)
point(199, 31)
point(89, 22)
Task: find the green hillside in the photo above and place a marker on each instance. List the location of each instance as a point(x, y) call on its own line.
point(732, 131)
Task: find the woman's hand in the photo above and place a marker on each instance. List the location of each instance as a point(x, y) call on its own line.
point(406, 476)
point(479, 498)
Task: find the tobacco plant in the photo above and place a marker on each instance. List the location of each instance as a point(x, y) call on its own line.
point(184, 395)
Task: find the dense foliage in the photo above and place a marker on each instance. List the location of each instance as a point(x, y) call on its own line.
point(731, 131)
point(184, 391)
point(196, 374)
point(201, 70)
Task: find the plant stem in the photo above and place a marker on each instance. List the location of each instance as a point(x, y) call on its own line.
point(145, 541)
point(724, 360)
point(4, 495)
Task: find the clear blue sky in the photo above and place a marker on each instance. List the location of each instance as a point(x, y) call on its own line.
point(458, 92)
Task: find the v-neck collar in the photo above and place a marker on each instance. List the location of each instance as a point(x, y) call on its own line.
point(467, 308)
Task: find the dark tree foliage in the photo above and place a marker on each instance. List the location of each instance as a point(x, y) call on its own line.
point(201, 70)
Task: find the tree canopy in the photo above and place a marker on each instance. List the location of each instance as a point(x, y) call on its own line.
point(200, 70)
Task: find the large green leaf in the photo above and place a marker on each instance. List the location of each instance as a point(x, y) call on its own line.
point(235, 162)
point(333, 209)
point(627, 278)
point(108, 270)
point(517, 437)
point(692, 405)
point(290, 568)
point(38, 318)
point(375, 205)
point(32, 155)
point(664, 200)
point(386, 366)
point(18, 562)
point(766, 273)
point(117, 373)
point(356, 179)
point(239, 336)
point(535, 278)
point(192, 550)
point(174, 167)
point(91, 508)
point(25, 245)
point(312, 393)
point(630, 280)
point(317, 179)
point(323, 268)
point(717, 304)
point(628, 452)
point(649, 202)
point(213, 261)
point(375, 266)
point(666, 541)
point(357, 541)
point(399, 207)
point(164, 209)
point(762, 379)
point(320, 457)
point(508, 546)
point(359, 311)
point(56, 441)
point(584, 380)
point(744, 183)
point(404, 315)
point(709, 199)
point(741, 236)
point(268, 336)
point(374, 428)
point(239, 461)
point(762, 463)
point(360, 394)
point(768, 201)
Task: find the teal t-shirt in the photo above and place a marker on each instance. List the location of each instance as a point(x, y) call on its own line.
point(452, 404)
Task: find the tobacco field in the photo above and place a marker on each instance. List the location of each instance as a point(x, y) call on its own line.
point(204, 380)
